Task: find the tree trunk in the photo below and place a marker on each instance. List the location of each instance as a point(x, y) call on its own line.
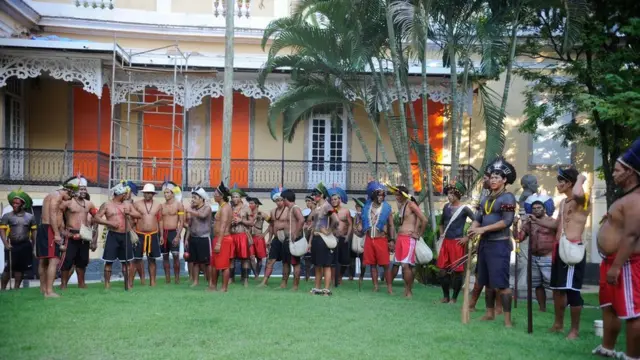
point(425, 130)
point(454, 103)
point(365, 148)
point(403, 118)
point(412, 116)
point(463, 100)
point(376, 129)
point(227, 114)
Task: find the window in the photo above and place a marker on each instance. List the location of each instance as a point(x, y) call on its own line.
point(547, 150)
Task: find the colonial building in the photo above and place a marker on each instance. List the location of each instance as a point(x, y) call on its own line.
point(133, 89)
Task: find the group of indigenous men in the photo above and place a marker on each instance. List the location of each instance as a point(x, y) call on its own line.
point(146, 228)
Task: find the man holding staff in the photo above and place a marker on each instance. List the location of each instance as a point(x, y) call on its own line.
point(493, 225)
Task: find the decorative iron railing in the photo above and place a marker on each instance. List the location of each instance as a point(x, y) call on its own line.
point(50, 167)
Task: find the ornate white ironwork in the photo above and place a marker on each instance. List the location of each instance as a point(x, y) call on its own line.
point(199, 86)
point(86, 71)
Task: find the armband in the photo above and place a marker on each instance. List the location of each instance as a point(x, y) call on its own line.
point(508, 208)
point(586, 201)
point(34, 227)
point(4, 227)
point(180, 212)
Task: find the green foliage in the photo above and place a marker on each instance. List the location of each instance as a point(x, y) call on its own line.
point(597, 77)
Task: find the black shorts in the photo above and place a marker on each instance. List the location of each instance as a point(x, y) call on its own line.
point(149, 248)
point(46, 248)
point(117, 247)
point(342, 252)
point(279, 251)
point(168, 242)
point(77, 253)
point(186, 249)
point(21, 256)
point(565, 277)
point(321, 255)
point(200, 250)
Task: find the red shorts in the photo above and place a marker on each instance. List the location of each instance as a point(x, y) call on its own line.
point(405, 250)
point(376, 251)
point(625, 296)
point(450, 252)
point(46, 247)
point(240, 246)
point(222, 260)
point(259, 247)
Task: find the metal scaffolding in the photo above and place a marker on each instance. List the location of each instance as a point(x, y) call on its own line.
point(124, 164)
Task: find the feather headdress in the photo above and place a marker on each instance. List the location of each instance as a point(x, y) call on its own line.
point(19, 194)
point(373, 187)
point(236, 190)
point(335, 190)
point(174, 188)
point(276, 193)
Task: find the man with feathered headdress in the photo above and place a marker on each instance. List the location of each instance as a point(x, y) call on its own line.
point(18, 233)
point(358, 235)
point(49, 242)
point(342, 229)
point(172, 224)
point(379, 230)
point(412, 225)
point(241, 222)
point(566, 280)
point(452, 240)
point(493, 224)
point(200, 234)
point(78, 214)
point(222, 245)
point(619, 245)
point(116, 216)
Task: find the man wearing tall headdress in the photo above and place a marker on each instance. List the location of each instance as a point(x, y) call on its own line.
point(241, 223)
point(323, 242)
point(342, 229)
point(453, 241)
point(477, 288)
point(118, 245)
point(278, 242)
point(172, 224)
point(199, 233)
point(379, 230)
point(78, 212)
point(222, 244)
point(358, 234)
point(18, 232)
point(566, 280)
point(619, 245)
point(49, 242)
point(412, 225)
point(259, 248)
point(308, 232)
point(493, 225)
point(149, 229)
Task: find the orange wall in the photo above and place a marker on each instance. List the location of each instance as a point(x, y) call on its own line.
point(436, 139)
point(239, 141)
point(86, 107)
point(156, 142)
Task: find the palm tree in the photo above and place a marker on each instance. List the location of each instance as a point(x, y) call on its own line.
point(227, 112)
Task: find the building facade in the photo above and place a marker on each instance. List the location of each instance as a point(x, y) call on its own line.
point(133, 89)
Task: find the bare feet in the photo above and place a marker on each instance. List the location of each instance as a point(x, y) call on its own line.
point(283, 285)
point(212, 289)
point(389, 291)
point(375, 289)
point(543, 310)
point(573, 334)
point(83, 286)
point(194, 285)
point(508, 324)
point(556, 328)
point(51, 295)
point(472, 309)
point(488, 317)
point(499, 311)
point(295, 288)
point(453, 301)
point(177, 281)
point(444, 300)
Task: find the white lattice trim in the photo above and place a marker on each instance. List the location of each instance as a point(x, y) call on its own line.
point(198, 87)
point(86, 71)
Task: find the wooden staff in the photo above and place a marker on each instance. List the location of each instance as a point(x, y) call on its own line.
point(467, 280)
point(529, 291)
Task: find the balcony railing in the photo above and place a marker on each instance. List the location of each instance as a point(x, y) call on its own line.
point(50, 167)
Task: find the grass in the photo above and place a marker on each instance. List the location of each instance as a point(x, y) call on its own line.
point(175, 321)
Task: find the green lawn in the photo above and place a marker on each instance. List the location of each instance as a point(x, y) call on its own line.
point(172, 321)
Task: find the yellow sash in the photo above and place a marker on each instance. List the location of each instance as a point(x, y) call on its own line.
point(146, 244)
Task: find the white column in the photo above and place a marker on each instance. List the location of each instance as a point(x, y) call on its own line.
point(598, 207)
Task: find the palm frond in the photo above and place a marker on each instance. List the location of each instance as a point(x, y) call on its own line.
point(494, 123)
